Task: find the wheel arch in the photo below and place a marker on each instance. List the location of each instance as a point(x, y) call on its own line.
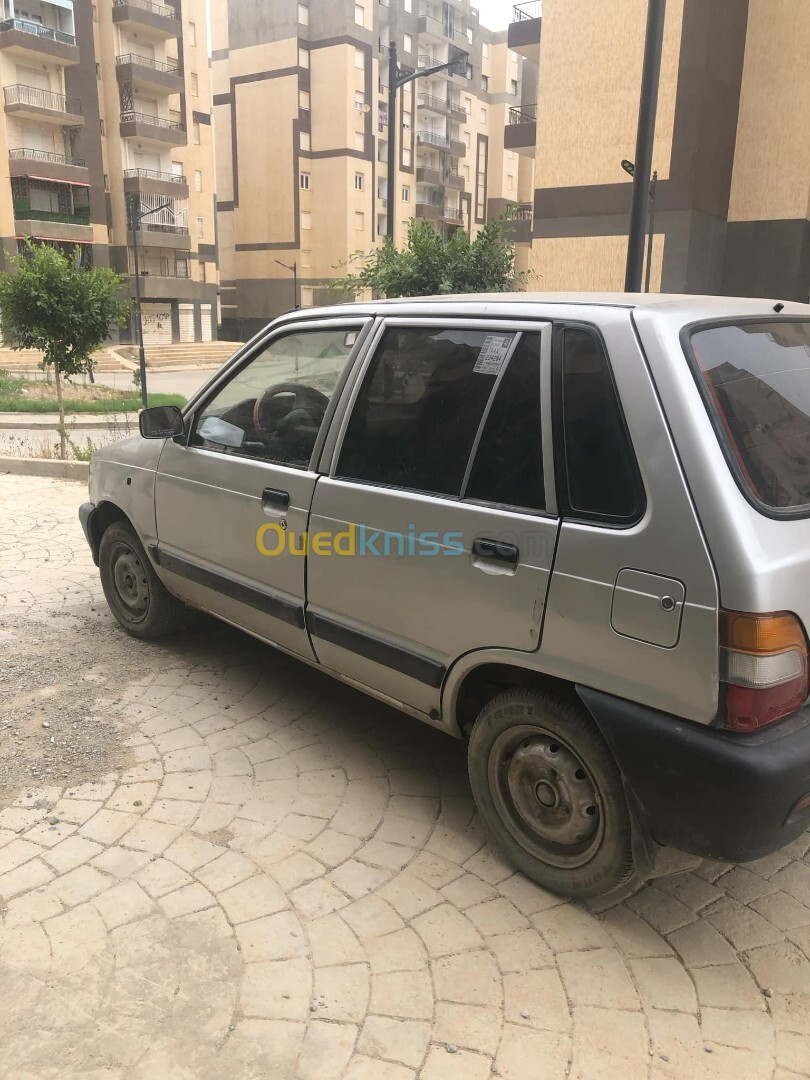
point(104, 515)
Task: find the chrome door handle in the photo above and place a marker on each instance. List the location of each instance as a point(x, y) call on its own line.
point(275, 500)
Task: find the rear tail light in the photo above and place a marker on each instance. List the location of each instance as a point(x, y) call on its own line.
point(764, 666)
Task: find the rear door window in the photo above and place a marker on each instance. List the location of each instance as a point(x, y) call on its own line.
point(756, 378)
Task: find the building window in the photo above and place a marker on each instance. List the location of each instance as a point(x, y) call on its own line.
point(200, 227)
point(307, 296)
point(485, 50)
point(192, 33)
point(359, 221)
point(510, 182)
point(483, 116)
point(306, 219)
point(513, 86)
point(359, 14)
point(467, 138)
point(470, 34)
point(305, 181)
point(304, 140)
point(407, 120)
point(467, 173)
point(406, 193)
point(468, 105)
point(485, 82)
point(203, 272)
point(359, 59)
point(360, 141)
point(195, 84)
point(198, 180)
point(360, 101)
point(407, 43)
point(481, 179)
point(409, 5)
point(303, 100)
point(303, 14)
point(196, 133)
point(303, 58)
point(359, 182)
point(306, 259)
point(406, 156)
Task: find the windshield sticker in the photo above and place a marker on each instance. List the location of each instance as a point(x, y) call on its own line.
point(493, 353)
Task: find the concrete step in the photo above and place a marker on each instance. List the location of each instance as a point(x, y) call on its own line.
point(27, 361)
point(201, 354)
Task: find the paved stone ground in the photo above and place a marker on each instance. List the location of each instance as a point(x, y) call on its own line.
point(277, 877)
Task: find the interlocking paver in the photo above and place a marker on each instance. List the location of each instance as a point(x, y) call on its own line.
point(281, 878)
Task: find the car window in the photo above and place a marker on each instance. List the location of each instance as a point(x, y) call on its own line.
point(600, 470)
point(419, 407)
point(508, 466)
point(758, 379)
point(273, 408)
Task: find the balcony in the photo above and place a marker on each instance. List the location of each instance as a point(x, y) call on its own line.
point(32, 41)
point(153, 234)
point(154, 20)
point(442, 30)
point(451, 214)
point(52, 224)
point(156, 129)
point(441, 142)
point(519, 217)
point(144, 71)
point(428, 210)
point(171, 185)
point(426, 175)
point(454, 180)
point(524, 30)
point(31, 103)
point(43, 164)
point(520, 133)
point(443, 107)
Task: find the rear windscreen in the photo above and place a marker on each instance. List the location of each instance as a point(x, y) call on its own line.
point(758, 380)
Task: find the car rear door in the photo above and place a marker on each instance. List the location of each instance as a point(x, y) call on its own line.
point(434, 533)
point(232, 500)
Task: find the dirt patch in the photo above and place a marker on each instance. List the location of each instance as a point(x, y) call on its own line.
point(40, 390)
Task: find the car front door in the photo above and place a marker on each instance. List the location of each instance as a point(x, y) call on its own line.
point(434, 533)
point(232, 499)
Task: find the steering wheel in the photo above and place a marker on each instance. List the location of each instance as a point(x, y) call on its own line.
point(306, 397)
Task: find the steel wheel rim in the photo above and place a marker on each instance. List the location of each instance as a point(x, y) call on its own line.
point(546, 796)
point(130, 582)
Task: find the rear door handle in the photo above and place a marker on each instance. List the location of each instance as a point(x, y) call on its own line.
point(496, 551)
point(275, 500)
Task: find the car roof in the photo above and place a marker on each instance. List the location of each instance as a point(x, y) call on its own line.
point(683, 306)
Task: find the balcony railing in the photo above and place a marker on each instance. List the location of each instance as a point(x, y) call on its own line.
point(441, 26)
point(430, 138)
point(525, 12)
point(154, 121)
point(27, 153)
point(524, 114)
point(425, 60)
point(154, 174)
point(452, 213)
point(20, 94)
point(519, 212)
point(146, 5)
point(148, 62)
point(156, 226)
point(458, 112)
point(428, 101)
point(37, 29)
point(26, 213)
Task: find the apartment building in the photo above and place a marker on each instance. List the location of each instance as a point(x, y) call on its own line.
point(107, 115)
point(301, 124)
point(731, 149)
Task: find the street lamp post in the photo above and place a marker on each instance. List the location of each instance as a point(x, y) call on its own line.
point(630, 168)
point(294, 271)
point(396, 80)
point(136, 219)
point(648, 107)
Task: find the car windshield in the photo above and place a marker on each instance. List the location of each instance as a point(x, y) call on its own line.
point(758, 380)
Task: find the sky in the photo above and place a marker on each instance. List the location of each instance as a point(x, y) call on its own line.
point(495, 14)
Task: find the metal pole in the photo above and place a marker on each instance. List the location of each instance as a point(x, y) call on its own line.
point(138, 319)
point(295, 285)
point(393, 72)
point(653, 187)
point(648, 106)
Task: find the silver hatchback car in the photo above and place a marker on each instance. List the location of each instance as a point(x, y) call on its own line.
point(573, 530)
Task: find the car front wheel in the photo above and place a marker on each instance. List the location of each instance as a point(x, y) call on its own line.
point(136, 596)
point(549, 791)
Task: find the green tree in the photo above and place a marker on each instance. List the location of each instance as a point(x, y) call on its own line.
point(47, 302)
point(429, 265)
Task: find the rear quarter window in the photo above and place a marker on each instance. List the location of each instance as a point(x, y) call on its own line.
point(755, 377)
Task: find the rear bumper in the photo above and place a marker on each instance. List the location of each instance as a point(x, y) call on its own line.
point(86, 511)
point(709, 792)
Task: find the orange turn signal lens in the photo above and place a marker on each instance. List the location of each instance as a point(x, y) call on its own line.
point(761, 633)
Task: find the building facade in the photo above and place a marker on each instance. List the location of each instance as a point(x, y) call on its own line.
point(301, 124)
point(107, 114)
point(731, 148)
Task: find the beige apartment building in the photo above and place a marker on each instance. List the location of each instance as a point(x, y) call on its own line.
point(731, 147)
point(106, 113)
point(301, 126)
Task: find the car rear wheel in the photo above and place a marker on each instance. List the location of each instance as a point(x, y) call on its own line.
point(136, 596)
point(549, 791)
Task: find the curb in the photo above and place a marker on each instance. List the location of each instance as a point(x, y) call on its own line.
point(43, 422)
point(60, 470)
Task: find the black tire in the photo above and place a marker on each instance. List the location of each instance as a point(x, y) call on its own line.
point(549, 791)
point(136, 596)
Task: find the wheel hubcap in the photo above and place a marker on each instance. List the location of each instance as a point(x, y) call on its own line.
point(131, 583)
point(545, 796)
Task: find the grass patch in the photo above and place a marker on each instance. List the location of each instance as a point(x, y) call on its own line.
point(30, 396)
